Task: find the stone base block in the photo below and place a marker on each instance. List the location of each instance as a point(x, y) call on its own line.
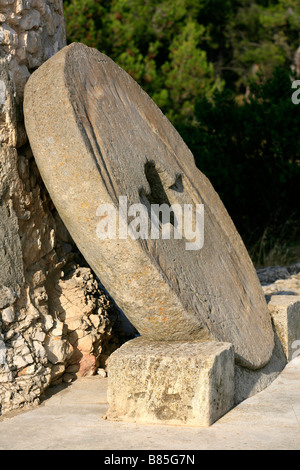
point(180, 383)
point(285, 311)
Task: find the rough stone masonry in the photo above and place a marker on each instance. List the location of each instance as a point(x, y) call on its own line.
point(55, 322)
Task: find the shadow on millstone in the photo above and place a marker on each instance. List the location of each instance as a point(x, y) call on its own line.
point(249, 382)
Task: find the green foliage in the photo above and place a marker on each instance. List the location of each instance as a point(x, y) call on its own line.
point(180, 50)
point(251, 153)
point(84, 20)
point(159, 43)
point(188, 73)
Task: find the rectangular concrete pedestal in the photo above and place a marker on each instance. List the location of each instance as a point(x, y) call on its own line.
point(285, 311)
point(181, 383)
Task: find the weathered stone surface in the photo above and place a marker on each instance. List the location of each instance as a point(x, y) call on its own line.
point(285, 311)
point(26, 225)
point(58, 350)
point(57, 371)
point(97, 136)
point(8, 315)
point(86, 317)
point(35, 247)
point(188, 383)
point(11, 272)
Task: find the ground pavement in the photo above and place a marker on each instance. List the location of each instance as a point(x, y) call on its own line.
point(71, 418)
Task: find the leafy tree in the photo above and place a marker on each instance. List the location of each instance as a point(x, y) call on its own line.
point(262, 35)
point(250, 151)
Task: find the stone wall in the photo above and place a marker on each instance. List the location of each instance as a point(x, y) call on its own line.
point(55, 321)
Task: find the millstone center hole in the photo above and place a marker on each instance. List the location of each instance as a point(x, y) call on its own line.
point(158, 188)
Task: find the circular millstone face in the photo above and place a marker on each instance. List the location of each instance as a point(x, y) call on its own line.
point(110, 159)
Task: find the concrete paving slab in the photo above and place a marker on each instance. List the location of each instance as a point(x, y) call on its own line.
point(71, 417)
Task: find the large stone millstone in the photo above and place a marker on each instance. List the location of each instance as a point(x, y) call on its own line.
point(96, 136)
